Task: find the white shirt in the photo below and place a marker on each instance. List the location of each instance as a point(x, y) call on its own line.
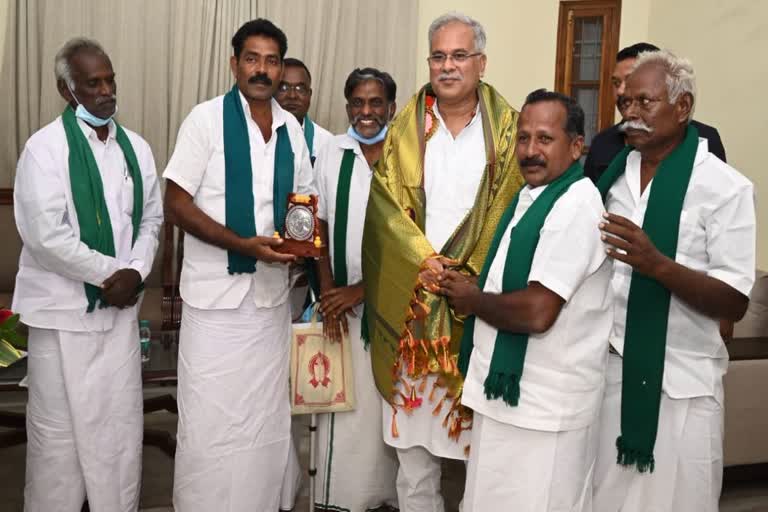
point(197, 166)
point(717, 237)
point(320, 140)
point(453, 169)
point(54, 263)
point(327, 170)
point(562, 382)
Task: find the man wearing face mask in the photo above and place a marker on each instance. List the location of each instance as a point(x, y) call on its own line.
point(351, 448)
point(446, 174)
point(88, 209)
point(237, 158)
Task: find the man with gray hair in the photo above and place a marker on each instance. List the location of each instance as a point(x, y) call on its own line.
point(681, 229)
point(446, 174)
point(88, 209)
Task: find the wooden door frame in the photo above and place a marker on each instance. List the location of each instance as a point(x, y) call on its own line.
point(610, 10)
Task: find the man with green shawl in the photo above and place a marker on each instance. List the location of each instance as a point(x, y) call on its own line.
point(446, 175)
point(534, 349)
point(681, 229)
point(237, 158)
point(88, 208)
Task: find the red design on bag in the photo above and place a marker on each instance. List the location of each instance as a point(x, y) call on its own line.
point(320, 359)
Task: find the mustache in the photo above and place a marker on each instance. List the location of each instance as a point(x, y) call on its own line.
point(112, 98)
point(532, 162)
point(456, 75)
point(260, 78)
point(380, 121)
point(635, 125)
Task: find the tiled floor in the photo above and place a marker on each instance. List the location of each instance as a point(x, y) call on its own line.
point(158, 471)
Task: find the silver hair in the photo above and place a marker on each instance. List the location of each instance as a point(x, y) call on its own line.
point(454, 17)
point(61, 65)
point(678, 71)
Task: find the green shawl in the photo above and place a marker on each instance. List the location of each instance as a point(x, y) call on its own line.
point(88, 195)
point(395, 246)
point(645, 338)
point(240, 214)
point(503, 380)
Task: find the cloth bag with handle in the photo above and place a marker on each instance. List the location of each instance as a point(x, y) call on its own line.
point(321, 371)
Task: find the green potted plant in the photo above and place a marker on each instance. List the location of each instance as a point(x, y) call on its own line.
point(10, 340)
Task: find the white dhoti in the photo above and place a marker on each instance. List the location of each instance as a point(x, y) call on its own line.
point(84, 419)
point(422, 440)
point(292, 479)
point(356, 470)
point(234, 415)
point(513, 468)
point(688, 456)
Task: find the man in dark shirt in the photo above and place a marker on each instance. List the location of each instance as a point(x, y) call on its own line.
point(607, 144)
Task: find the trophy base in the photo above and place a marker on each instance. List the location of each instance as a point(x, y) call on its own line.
point(300, 249)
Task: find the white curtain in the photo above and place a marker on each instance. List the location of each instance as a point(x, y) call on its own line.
point(169, 55)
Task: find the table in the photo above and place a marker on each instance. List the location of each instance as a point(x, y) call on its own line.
point(159, 371)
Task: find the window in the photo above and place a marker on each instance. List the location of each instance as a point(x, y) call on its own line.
point(587, 42)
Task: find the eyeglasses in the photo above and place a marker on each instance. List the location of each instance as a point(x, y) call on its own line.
point(438, 59)
point(644, 102)
point(285, 88)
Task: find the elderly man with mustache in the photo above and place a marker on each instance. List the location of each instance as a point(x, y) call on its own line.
point(88, 208)
point(446, 174)
point(236, 159)
point(681, 229)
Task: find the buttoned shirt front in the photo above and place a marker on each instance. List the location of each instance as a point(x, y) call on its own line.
point(197, 166)
point(54, 263)
point(564, 369)
point(453, 169)
point(717, 238)
point(327, 169)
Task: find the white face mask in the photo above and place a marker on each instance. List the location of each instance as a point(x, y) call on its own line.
point(82, 113)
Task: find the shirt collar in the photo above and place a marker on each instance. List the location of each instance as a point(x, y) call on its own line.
point(348, 142)
point(90, 133)
point(534, 193)
point(471, 121)
point(278, 114)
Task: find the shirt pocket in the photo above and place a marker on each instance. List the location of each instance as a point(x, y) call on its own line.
point(692, 241)
point(126, 192)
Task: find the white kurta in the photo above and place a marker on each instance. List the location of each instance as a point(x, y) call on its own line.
point(550, 434)
point(234, 417)
point(356, 469)
point(84, 414)
point(717, 237)
point(453, 169)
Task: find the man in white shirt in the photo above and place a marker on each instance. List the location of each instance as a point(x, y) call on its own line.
point(88, 209)
point(351, 448)
point(294, 94)
point(236, 159)
point(534, 346)
point(446, 174)
point(691, 263)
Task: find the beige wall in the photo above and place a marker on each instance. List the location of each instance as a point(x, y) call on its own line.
point(726, 41)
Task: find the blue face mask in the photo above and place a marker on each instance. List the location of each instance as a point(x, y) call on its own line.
point(82, 113)
point(373, 140)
